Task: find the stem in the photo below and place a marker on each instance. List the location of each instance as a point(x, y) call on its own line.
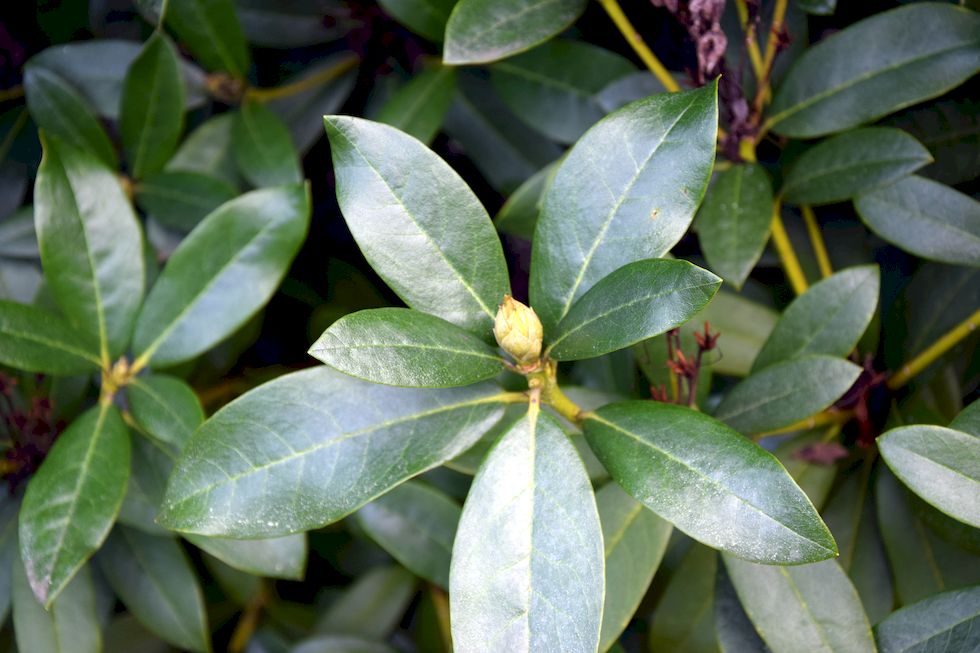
point(8, 139)
point(636, 42)
point(828, 417)
point(934, 351)
point(440, 602)
point(564, 406)
point(750, 43)
point(816, 239)
point(778, 15)
point(784, 248)
point(11, 93)
point(249, 621)
point(305, 84)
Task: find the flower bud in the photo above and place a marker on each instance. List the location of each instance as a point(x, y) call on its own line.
point(518, 331)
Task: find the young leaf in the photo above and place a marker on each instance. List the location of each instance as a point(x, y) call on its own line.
point(921, 51)
point(786, 392)
point(90, 245)
point(155, 581)
point(398, 196)
point(684, 617)
point(945, 622)
point(527, 568)
point(416, 524)
point(180, 199)
point(805, 608)
point(152, 115)
point(709, 481)
point(626, 192)
point(829, 318)
point(211, 31)
point(73, 499)
point(317, 445)
point(275, 557)
point(852, 163)
point(926, 218)
point(221, 274)
point(940, 465)
point(35, 340)
point(480, 31)
point(69, 625)
point(263, 148)
point(165, 407)
point(733, 223)
point(424, 17)
point(638, 301)
point(419, 107)
point(399, 346)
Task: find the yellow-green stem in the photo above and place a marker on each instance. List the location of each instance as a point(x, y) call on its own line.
point(250, 620)
point(564, 406)
point(633, 38)
point(778, 15)
point(816, 239)
point(784, 248)
point(440, 601)
point(755, 57)
point(305, 84)
point(949, 340)
point(828, 417)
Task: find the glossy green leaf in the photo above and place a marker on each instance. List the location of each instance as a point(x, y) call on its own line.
point(921, 51)
point(926, 218)
point(398, 196)
point(480, 31)
point(70, 625)
point(683, 619)
point(829, 318)
point(371, 606)
point(519, 214)
point(155, 581)
point(181, 199)
point(733, 223)
point(945, 622)
point(276, 557)
point(419, 107)
point(638, 301)
point(416, 524)
point(165, 407)
point(399, 346)
point(627, 191)
point(951, 131)
point(968, 421)
point(207, 150)
point(805, 608)
point(424, 17)
point(554, 87)
point(73, 499)
point(222, 274)
point(635, 540)
point(734, 630)
point(709, 481)
point(35, 340)
point(939, 464)
point(786, 392)
point(263, 148)
point(211, 31)
point(90, 245)
point(331, 443)
point(852, 163)
point(152, 115)
point(527, 567)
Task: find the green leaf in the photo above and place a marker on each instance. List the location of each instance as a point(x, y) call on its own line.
point(940, 465)
point(527, 567)
point(419, 107)
point(340, 644)
point(817, 7)
point(331, 443)
point(921, 51)
point(968, 421)
point(480, 31)
point(221, 274)
point(805, 608)
point(829, 318)
point(555, 87)
point(293, 24)
point(371, 606)
point(813, 478)
point(945, 622)
point(276, 557)
point(638, 301)
point(35, 340)
point(211, 31)
point(399, 346)
point(416, 524)
point(207, 150)
point(17, 237)
point(73, 499)
point(630, 88)
point(155, 581)
point(734, 630)
point(263, 148)
point(684, 619)
point(519, 214)
point(852, 163)
point(69, 625)
point(398, 196)
point(90, 245)
point(745, 324)
point(152, 462)
point(152, 115)
point(9, 552)
point(926, 218)
point(635, 540)
point(165, 407)
point(709, 481)
point(181, 199)
point(61, 111)
point(733, 223)
point(424, 17)
point(951, 131)
point(627, 191)
point(786, 392)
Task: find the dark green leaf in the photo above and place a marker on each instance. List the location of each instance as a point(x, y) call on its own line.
point(951, 131)
point(527, 567)
point(852, 163)
point(419, 107)
point(288, 24)
point(684, 618)
point(627, 191)
point(398, 196)
point(921, 51)
point(152, 462)
point(480, 31)
point(70, 625)
point(638, 301)
point(519, 214)
point(221, 274)
point(211, 31)
point(181, 199)
point(709, 481)
point(735, 631)
point(733, 223)
point(630, 88)
point(207, 150)
point(786, 392)
point(424, 17)
point(968, 421)
point(165, 407)
point(263, 148)
point(35, 340)
point(371, 606)
point(945, 622)
point(277, 557)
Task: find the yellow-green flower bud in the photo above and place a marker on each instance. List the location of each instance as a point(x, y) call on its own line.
point(518, 331)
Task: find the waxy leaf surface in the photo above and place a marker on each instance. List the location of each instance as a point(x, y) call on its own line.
point(35, 340)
